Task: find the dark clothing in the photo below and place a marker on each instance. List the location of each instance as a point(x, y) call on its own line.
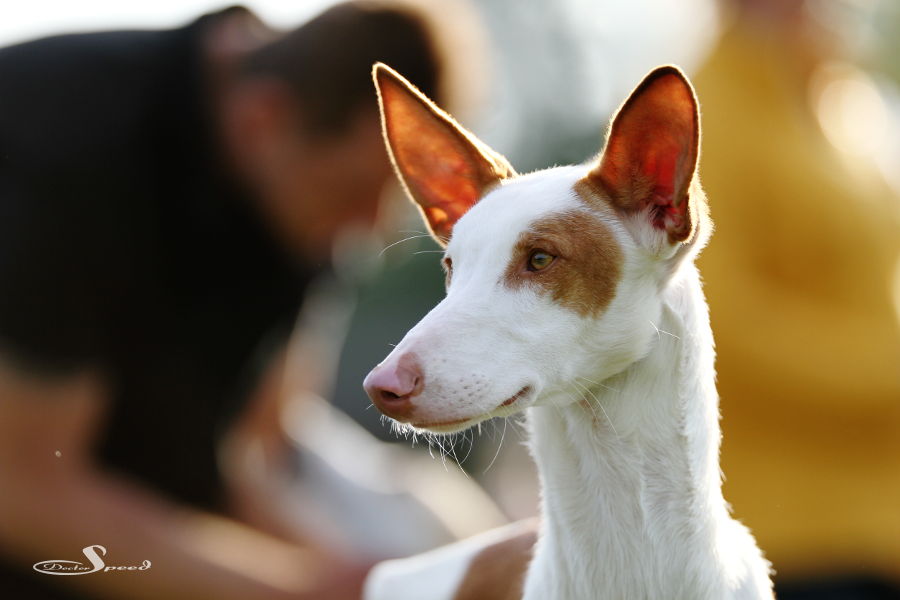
point(125, 246)
point(836, 588)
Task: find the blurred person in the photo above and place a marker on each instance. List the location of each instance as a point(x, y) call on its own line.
point(802, 284)
point(165, 198)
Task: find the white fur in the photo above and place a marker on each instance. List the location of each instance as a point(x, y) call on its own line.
point(632, 501)
point(623, 409)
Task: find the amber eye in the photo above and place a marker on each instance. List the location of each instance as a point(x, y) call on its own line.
point(539, 260)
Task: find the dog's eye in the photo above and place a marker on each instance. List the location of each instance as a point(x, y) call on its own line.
point(539, 260)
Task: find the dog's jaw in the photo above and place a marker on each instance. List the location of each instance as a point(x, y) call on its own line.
point(512, 405)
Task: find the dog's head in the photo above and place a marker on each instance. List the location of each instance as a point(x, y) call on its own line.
point(553, 278)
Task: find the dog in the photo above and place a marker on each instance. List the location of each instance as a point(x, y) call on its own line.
point(572, 295)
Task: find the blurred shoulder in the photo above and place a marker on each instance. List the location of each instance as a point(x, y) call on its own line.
point(491, 565)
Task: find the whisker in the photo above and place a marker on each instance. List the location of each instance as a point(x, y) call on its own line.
point(598, 383)
point(594, 410)
point(458, 463)
point(493, 423)
point(659, 331)
point(518, 427)
point(500, 445)
point(451, 443)
point(471, 439)
point(444, 452)
point(581, 397)
point(600, 404)
point(406, 239)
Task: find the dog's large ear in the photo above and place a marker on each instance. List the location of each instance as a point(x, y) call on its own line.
point(651, 154)
point(444, 168)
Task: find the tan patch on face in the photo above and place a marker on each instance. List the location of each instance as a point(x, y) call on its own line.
point(584, 275)
point(498, 571)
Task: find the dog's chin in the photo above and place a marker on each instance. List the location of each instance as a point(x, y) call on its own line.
point(448, 427)
point(515, 403)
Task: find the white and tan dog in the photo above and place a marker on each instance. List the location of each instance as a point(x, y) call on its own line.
point(572, 294)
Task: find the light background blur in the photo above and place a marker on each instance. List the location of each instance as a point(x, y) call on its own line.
point(27, 20)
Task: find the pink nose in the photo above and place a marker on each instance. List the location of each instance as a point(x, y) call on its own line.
point(392, 385)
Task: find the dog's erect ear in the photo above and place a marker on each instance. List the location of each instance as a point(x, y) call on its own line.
point(444, 167)
point(651, 153)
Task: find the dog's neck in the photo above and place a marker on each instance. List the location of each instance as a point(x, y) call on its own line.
point(632, 504)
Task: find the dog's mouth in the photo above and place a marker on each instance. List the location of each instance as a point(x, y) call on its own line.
point(505, 408)
point(516, 397)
